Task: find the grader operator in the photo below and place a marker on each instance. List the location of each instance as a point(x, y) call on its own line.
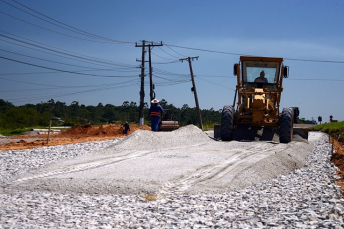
point(259, 88)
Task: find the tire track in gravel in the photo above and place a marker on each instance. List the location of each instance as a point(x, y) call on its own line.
point(235, 164)
point(87, 166)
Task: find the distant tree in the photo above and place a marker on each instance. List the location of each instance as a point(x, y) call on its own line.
point(22, 117)
point(109, 105)
point(109, 114)
point(4, 103)
point(95, 113)
point(163, 102)
point(60, 109)
point(185, 106)
point(51, 101)
point(125, 104)
point(74, 106)
point(40, 114)
point(30, 105)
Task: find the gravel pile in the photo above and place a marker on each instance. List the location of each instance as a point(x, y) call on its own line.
point(15, 162)
point(305, 198)
point(148, 140)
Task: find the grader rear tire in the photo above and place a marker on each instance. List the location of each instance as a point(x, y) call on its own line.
point(227, 121)
point(286, 125)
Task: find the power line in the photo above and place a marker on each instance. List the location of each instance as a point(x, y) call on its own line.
point(59, 70)
point(170, 73)
point(56, 62)
point(317, 79)
point(88, 61)
point(36, 58)
point(161, 56)
point(39, 17)
point(50, 30)
point(67, 94)
point(63, 52)
point(174, 50)
point(37, 73)
point(66, 25)
point(64, 86)
point(240, 54)
point(214, 83)
point(168, 53)
point(172, 80)
point(75, 30)
point(171, 62)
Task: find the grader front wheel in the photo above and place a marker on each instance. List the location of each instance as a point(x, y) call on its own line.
point(227, 121)
point(286, 125)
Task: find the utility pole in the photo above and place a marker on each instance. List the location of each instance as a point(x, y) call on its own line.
point(193, 89)
point(142, 90)
point(151, 85)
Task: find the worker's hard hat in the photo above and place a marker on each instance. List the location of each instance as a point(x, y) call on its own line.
point(155, 101)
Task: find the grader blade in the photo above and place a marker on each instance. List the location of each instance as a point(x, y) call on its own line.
point(301, 130)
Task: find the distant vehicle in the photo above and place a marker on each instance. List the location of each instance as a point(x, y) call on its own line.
point(56, 119)
point(167, 122)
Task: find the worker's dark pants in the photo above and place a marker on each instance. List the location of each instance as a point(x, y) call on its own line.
point(126, 131)
point(155, 122)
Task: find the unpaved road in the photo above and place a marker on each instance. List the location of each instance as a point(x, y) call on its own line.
point(183, 161)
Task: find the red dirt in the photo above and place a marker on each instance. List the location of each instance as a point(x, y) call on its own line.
point(76, 134)
point(338, 159)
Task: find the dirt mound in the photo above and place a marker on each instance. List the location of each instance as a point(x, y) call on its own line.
point(82, 131)
point(76, 134)
point(338, 159)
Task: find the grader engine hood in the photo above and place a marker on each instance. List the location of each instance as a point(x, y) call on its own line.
point(258, 99)
point(258, 106)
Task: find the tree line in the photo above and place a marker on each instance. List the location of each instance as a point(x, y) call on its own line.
point(29, 115)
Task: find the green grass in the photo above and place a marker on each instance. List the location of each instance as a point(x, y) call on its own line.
point(335, 129)
point(18, 131)
point(208, 126)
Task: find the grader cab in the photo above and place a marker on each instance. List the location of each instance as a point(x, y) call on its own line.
point(258, 96)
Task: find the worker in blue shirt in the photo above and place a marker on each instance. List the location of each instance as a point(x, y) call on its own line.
point(126, 128)
point(155, 111)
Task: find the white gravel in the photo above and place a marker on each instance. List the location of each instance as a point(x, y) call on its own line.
point(304, 198)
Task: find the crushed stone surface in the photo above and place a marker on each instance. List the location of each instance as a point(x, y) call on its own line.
point(276, 185)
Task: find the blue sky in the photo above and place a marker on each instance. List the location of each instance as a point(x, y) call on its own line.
point(297, 31)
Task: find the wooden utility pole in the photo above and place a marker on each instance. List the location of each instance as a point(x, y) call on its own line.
point(151, 85)
point(189, 59)
point(142, 90)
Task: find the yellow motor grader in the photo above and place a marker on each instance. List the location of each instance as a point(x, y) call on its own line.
point(258, 95)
